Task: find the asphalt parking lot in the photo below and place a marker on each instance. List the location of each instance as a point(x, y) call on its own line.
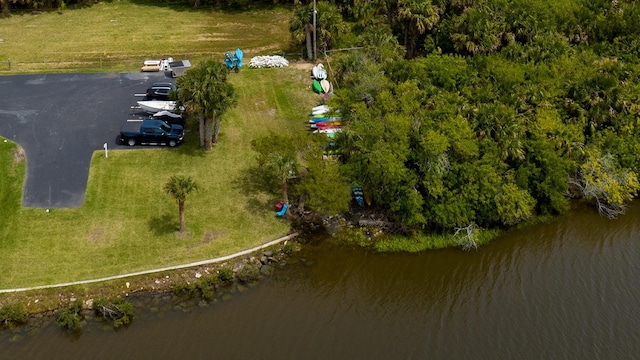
point(60, 120)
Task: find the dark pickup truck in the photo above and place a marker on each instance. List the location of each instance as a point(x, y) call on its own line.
point(150, 131)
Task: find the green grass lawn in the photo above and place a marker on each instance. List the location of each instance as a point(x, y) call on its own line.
point(127, 223)
point(120, 35)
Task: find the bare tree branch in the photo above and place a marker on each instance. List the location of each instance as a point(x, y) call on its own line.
point(466, 237)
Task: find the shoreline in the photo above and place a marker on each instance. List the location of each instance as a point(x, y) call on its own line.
point(155, 271)
point(247, 265)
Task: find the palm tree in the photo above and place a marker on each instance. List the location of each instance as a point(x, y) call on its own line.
point(380, 44)
point(179, 186)
point(301, 28)
point(478, 31)
point(205, 92)
point(417, 17)
point(330, 26)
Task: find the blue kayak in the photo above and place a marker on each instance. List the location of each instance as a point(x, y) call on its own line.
point(358, 195)
point(239, 56)
point(325, 119)
point(234, 59)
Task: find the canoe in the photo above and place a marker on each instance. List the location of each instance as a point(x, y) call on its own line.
point(325, 86)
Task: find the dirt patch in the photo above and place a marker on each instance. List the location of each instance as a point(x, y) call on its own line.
point(212, 235)
point(95, 235)
point(18, 154)
point(183, 235)
point(302, 65)
point(209, 236)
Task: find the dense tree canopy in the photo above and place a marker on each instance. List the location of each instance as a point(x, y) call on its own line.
point(489, 112)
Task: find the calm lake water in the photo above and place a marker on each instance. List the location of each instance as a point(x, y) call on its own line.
point(566, 290)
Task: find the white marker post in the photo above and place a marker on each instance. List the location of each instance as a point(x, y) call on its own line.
point(106, 151)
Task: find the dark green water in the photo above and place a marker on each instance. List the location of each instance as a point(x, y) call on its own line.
point(567, 290)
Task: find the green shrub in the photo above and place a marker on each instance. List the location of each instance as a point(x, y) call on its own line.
point(421, 242)
point(225, 274)
point(206, 291)
point(291, 247)
point(204, 288)
point(69, 317)
point(181, 288)
point(249, 272)
point(116, 310)
point(414, 243)
point(354, 236)
point(13, 314)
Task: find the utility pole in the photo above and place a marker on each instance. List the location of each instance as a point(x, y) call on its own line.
point(315, 36)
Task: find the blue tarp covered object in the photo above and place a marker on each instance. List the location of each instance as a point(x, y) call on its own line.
point(234, 59)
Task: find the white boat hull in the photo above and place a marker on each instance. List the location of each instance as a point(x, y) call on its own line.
point(154, 106)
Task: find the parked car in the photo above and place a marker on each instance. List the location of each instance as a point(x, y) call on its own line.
point(160, 91)
point(150, 131)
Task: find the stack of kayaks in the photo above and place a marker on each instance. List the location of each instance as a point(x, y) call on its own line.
point(320, 83)
point(324, 121)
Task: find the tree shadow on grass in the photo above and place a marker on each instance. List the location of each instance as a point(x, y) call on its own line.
point(164, 224)
point(187, 6)
point(191, 145)
point(253, 182)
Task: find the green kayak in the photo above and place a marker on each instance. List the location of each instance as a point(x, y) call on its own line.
point(317, 88)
